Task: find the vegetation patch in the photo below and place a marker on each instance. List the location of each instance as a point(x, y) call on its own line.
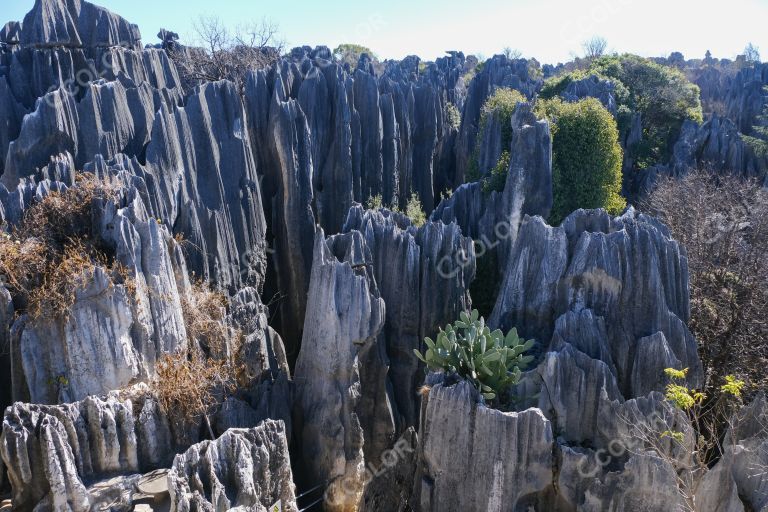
point(54, 250)
point(190, 384)
point(413, 208)
point(723, 224)
point(587, 157)
point(662, 95)
point(501, 104)
point(491, 361)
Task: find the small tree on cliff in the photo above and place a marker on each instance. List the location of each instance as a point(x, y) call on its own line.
point(586, 163)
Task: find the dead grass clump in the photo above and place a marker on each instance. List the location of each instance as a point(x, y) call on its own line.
point(188, 387)
point(204, 311)
point(55, 294)
point(62, 216)
point(53, 251)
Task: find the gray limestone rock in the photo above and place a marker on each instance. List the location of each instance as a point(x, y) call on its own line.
point(626, 270)
point(343, 317)
point(476, 458)
point(244, 469)
point(50, 451)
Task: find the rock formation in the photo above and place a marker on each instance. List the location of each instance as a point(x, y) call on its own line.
point(258, 193)
point(52, 452)
point(246, 469)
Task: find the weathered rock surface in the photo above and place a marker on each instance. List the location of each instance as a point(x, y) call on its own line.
point(476, 458)
point(715, 145)
point(110, 337)
point(592, 87)
point(498, 71)
point(345, 315)
point(493, 219)
point(626, 270)
point(51, 451)
point(424, 285)
point(244, 469)
point(391, 480)
point(744, 464)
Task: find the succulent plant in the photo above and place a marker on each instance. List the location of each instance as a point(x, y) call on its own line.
point(490, 360)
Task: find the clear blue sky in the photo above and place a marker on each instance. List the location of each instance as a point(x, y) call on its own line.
point(550, 30)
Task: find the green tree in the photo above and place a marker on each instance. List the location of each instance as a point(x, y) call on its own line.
point(586, 161)
point(758, 141)
point(662, 95)
point(350, 53)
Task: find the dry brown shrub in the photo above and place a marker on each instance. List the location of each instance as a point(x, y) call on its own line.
point(53, 251)
point(55, 294)
point(723, 223)
point(204, 311)
point(188, 387)
point(62, 216)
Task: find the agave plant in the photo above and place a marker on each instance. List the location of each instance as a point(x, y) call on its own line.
point(489, 359)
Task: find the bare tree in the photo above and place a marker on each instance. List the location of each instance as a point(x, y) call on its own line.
point(512, 53)
point(723, 223)
point(594, 47)
point(223, 54)
point(751, 53)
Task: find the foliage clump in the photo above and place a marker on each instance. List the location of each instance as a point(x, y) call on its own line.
point(491, 361)
point(349, 53)
point(587, 157)
point(452, 115)
point(374, 202)
point(54, 250)
point(501, 104)
point(662, 96)
point(413, 209)
point(498, 177)
point(758, 140)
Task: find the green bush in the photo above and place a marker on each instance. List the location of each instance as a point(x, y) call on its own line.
point(661, 94)
point(452, 115)
point(374, 202)
point(350, 53)
point(414, 211)
point(758, 141)
point(502, 103)
point(491, 361)
point(587, 157)
point(498, 178)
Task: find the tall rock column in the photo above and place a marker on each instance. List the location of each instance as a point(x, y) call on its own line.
point(343, 317)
